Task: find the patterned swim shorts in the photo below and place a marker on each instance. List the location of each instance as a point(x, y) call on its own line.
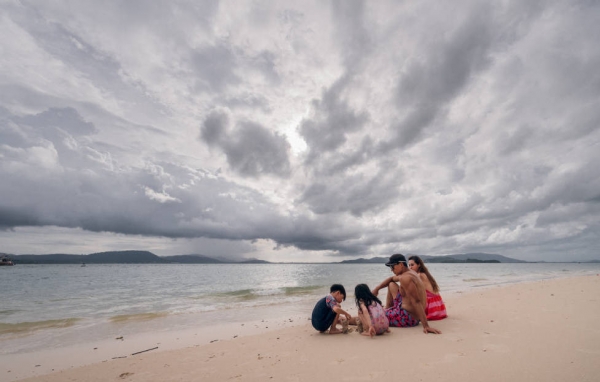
point(399, 317)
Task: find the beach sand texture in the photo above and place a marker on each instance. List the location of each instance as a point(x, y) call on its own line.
point(541, 331)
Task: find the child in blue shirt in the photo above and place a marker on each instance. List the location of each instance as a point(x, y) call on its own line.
point(327, 311)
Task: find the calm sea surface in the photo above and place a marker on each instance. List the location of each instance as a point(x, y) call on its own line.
point(53, 305)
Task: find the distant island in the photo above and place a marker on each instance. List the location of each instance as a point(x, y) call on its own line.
point(457, 258)
point(123, 257)
point(146, 257)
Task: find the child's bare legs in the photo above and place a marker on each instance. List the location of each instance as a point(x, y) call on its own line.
point(364, 324)
point(367, 328)
point(333, 329)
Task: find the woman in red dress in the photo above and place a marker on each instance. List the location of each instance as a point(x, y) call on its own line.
point(436, 310)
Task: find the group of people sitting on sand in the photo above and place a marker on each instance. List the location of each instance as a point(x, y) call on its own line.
point(412, 297)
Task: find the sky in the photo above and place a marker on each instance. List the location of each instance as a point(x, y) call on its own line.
point(294, 131)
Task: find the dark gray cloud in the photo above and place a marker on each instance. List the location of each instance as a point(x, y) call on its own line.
point(159, 199)
point(265, 63)
point(352, 31)
point(357, 194)
point(426, 85)
point(251, 149)
point(81, 56)
point(333, 120)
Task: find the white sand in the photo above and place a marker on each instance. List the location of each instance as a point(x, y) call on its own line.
point(542, 331)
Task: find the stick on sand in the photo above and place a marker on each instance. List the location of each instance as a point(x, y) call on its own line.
point(143, 351)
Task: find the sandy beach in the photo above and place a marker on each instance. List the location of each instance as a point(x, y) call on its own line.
point(542, 331)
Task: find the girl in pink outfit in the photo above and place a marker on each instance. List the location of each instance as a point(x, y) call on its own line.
point(371, 314)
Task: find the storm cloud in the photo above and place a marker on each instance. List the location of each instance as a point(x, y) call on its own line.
point(301, 131)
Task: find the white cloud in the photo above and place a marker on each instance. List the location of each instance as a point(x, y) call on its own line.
point(161, 197)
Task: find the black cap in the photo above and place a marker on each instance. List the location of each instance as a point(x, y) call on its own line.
point(395, 259)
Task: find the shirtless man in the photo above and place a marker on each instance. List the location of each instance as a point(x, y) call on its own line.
point(405, 304)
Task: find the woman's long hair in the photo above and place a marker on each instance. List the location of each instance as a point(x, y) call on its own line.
point(363, 293)
point(421, 268)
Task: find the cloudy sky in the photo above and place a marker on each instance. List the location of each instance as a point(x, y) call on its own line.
point(301, 131)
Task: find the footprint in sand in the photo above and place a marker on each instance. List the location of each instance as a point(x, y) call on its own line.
point(125, 375)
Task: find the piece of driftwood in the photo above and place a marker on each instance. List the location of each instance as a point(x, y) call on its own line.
point(143, 351)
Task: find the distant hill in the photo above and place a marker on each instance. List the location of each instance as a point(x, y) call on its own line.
point(192, 259)
point(372, 260)
point(458, 258)
point(254, 261)
point(146, 257)
point(485, 257)
point(57, 258)
point(124, 257)
point(135, 257)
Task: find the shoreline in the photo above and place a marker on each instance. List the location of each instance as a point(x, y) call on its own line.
point(543, 330)
point(35, 363)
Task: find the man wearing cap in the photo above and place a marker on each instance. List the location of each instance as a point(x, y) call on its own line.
point(405, 304)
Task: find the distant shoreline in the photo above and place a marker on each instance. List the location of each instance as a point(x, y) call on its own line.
point(146, 257)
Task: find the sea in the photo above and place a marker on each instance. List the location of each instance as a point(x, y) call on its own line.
point(48, 306)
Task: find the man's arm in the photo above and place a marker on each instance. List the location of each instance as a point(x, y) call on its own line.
point(384, 284)
point(414, 297)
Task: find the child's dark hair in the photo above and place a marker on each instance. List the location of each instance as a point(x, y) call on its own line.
point(363, 294)
point(338, 288)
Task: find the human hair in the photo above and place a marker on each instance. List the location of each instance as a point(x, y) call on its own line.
point(421, 268)
point(363, 293)
point(338, 288)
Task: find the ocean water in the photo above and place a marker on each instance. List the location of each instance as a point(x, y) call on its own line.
point(56, 305)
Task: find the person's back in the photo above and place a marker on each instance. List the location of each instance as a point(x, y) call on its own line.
point(410, 296)
point(426, 282)
point(322, 314)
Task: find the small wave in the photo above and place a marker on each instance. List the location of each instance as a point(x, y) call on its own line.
point(137, 317)
point(65, 299)
point(8, 312)
point(474, 280)
point(235, 293)
point(301, 290)
point(27, 327)
point(238, 295)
